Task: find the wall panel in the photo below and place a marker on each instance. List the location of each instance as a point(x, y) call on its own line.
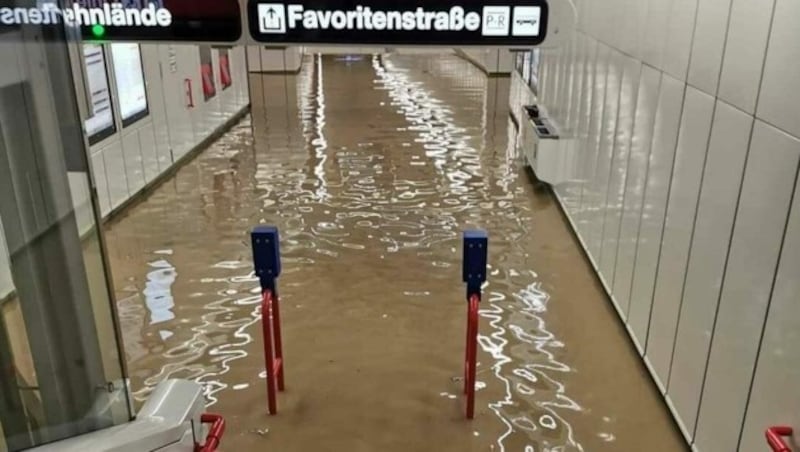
point(665, 137)
point(708, 44)
point(775, 394)
point(678, 228)
point(636, 178)
point(748, 30)
point(657, 219)
point(605, 153)
point(767, 189)
point(779, 103)
point(719, 195)
point(134, 167)
point(615, 194)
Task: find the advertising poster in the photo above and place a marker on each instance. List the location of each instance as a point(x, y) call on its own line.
point(129, 77)
point(207, 73)
point(100, 123)
point(225, 78)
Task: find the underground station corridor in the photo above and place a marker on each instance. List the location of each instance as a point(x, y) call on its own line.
point(360, 225)
point(370, 166)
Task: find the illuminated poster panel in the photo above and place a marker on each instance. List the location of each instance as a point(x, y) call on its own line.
point(100, 122)
point(129, 76)
point(207, 73)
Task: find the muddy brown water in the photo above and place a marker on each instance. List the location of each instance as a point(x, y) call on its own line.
point(371, 166)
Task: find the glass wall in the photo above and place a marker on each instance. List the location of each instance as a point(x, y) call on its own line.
point(62, 373)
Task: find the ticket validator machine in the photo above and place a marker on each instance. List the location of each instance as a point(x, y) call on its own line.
point(64, 382)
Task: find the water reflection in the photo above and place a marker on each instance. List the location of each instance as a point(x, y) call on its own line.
point(370, 188)
point(158, 293)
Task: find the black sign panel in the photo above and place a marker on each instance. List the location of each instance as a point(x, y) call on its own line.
point(399, 22)
point(128, 20)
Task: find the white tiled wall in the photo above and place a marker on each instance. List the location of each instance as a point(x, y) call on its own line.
point(126, 162)
point(686, 115)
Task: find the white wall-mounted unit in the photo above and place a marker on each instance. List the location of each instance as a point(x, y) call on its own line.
point(551, 157)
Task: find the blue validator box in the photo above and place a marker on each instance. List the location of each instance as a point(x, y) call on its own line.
point(476, 247)
point(266, 255)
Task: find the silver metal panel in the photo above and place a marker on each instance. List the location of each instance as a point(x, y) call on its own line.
point(173, 409)
point(665, 137)
point(716, 209)
point(769, 183)
point(775, 394)
point(641, 141)
point(615, 195)
point(684, 193)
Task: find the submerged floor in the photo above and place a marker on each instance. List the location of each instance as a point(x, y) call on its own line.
point(371, 167)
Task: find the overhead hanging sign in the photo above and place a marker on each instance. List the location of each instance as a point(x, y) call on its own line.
point(399, 22)
point(130, 20)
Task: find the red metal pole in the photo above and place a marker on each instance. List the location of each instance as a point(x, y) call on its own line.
point(774, 439)
point(266, 324)
point(215, 432)
point(467, 349)
point(472, 347)
point(276, 323)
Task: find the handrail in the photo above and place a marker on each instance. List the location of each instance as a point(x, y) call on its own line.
point(774, 438)
point(215, 432)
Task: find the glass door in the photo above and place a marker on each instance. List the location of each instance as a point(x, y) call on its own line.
point(60, 354)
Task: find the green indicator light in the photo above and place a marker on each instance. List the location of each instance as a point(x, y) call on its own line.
point(98, 30)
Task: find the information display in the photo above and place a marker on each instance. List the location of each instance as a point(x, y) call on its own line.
point(505, 23)
point(100, 123)
point(131, 20)
point(399, 22)
point(129, 77)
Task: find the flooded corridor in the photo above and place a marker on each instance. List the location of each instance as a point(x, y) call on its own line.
point(371, 167)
